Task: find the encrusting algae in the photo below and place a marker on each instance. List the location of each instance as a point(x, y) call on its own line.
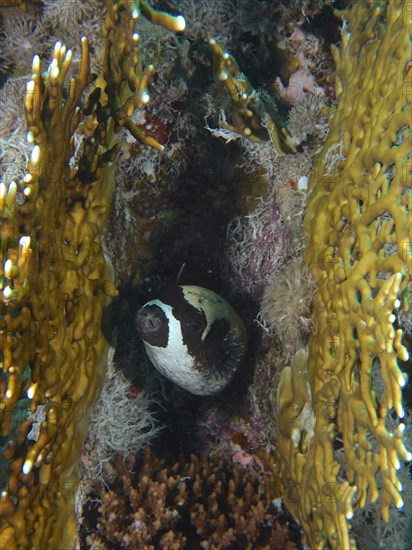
point(55, 278)
point(337, 447)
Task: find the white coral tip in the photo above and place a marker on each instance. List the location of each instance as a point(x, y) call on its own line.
point(180, 23)
point(400, 503)
point(27, 466)
point(7, 292)
point(36, 64)
point(8, 264)
point(35, 154)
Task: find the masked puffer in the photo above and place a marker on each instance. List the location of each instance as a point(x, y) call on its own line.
point(193, 337)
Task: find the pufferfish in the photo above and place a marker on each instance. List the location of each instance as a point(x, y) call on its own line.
point(193, 337)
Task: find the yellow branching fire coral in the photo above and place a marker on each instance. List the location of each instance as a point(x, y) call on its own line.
point(253, 116)
point(55, 284)
point(124, 84)
point(337, 444)
point(55, 279)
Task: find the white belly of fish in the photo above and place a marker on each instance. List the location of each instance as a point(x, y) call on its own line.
point(174, 361)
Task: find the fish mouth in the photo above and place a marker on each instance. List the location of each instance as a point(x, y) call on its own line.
point(152, 325)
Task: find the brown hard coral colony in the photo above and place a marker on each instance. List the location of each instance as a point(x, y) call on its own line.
point(55, 279)
point(192, 503)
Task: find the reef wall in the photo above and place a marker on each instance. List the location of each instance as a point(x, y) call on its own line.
point(225, 213)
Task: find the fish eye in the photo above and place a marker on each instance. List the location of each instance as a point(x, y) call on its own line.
point(197, 326)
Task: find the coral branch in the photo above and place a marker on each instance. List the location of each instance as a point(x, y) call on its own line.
point(253, 116)
point(358, 226)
